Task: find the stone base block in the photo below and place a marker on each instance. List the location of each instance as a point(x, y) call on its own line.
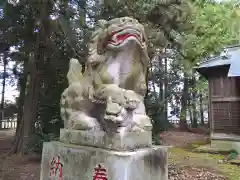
point(236, 146)
point(221, 145)
point(224, 141)
point(115, 141)
point(71, 162)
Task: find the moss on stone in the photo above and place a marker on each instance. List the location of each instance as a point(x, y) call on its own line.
point(197, 144)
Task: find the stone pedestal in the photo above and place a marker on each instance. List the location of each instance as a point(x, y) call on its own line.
point(224, 142)
point(82, 155)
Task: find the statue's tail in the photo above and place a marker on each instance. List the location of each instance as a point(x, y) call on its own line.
point(74, 72)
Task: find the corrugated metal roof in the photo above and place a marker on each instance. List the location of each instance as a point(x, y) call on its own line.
point(234, 70)
point(233, 57)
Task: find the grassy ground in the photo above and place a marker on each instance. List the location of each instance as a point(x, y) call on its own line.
point(184, 157)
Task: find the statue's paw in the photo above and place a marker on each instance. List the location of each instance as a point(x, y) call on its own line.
point(81, 121)
point(142, 121)
point(132, 99)
point(113, 118)
point(131, 128)
point(137, 129)
point(122, 130)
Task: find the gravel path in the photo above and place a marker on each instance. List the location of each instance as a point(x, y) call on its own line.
point(179, 139)
point(191, 173)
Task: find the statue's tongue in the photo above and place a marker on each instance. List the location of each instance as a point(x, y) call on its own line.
point(122, 37)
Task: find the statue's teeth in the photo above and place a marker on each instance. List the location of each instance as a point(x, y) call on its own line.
point(114, 38)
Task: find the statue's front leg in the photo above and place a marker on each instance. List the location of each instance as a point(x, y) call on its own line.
point(132, 99)
point(81, 121)
point(75, 108)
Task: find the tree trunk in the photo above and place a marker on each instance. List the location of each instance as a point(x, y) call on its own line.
point(153, 82)
point(165, 88)
point(29, 110)
point(194, 101)
point(161, 84)
point(201, 108)
point(31, 104)
point(184, 98)
point(4, 80)
point(147, 91)
point(190, 109)
point(23, 83)
point(27, 126)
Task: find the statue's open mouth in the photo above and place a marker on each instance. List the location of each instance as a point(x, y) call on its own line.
point(119, 37)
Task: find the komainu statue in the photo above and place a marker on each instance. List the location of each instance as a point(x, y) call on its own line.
point(109, 94)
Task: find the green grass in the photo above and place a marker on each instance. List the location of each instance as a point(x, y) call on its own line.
point(184, 156)
point(196, 144)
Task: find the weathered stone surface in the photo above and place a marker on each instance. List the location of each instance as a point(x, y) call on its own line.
point(113, 85)
point(224, 141)
point(130, 140)
point(222, 145)
point(236, 146)
point(79, 163)
point(225, 137)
